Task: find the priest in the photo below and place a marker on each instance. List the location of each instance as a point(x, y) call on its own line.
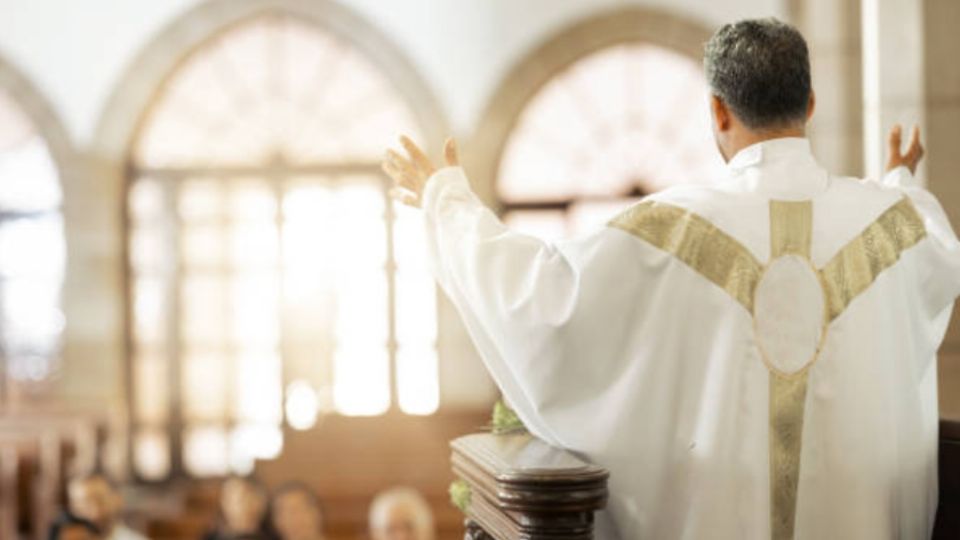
point(751, 358)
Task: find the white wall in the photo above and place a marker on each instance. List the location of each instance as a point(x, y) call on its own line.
point(76, 51)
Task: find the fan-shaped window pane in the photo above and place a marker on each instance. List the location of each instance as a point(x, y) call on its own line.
point(620, 122)
point(264, 249)
point(32, 249)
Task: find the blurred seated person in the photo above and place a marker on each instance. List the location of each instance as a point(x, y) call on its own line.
point(296, 513)
point(401, 513)
point(95, 498)
point(243, 507)
point(70, 527)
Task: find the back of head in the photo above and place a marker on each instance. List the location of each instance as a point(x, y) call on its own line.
point(401, 513)
point(243, 504)
point(296, 512)
point(95, 498)
point(761, 69)
point(70, 527)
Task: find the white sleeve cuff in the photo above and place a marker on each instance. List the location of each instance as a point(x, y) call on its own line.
point(442, 180)
point(900, 177)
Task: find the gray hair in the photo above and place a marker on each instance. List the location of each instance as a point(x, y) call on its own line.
point(412, 501)
point(761, 69)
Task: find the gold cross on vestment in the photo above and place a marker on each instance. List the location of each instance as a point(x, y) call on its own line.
point(728, 264)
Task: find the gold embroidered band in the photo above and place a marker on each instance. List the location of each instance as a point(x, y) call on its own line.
point(788, 394)
point(791, 227)
point(698, 243)
point(857, 265)
point(728, 264)
point(791, 230)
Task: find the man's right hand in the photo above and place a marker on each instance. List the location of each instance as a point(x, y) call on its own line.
point(911, 157)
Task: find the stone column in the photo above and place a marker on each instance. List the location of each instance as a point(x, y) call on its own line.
point(832, 30)
point(893, 73)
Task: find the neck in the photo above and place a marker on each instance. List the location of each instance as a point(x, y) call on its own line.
point(746, 137)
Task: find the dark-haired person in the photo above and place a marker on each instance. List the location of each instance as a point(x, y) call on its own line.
point(243, 507)
point(296, 513)
point(95, 498)
point(750, 359)
point(70, 527)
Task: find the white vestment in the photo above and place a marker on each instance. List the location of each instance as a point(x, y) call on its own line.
point(781, 319)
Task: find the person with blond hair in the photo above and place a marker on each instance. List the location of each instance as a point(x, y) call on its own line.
point(401, 513)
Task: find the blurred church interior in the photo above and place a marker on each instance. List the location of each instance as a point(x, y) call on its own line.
point(201, 274)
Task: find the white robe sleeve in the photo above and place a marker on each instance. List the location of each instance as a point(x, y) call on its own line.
point(939, 264)
point(530, 306)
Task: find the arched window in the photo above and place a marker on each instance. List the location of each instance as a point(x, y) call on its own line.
point(271, 278)
point(32, 254)
point(606, 112)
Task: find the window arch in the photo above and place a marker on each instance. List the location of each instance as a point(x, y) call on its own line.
point(603, 113)
point(33, 148)
point(270, 276)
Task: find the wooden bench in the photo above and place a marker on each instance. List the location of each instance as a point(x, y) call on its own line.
point(948, 513)
point(30, 464)
point(39, 452)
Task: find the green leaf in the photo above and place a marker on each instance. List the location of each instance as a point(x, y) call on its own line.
point(460, 495)
point(505, 420)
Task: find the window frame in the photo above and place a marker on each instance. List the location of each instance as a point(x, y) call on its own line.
point(133, 102)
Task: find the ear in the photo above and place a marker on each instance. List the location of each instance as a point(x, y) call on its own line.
point(811, 104)
point(721, 114)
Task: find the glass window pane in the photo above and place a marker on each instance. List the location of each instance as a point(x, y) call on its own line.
point(252, 200)
point(302, 405)
point(32, 247)
point(28, 177)
point(274, 86)
point(417, 380)
point(361, 304)
point(146, 201)
point(410, 239)
point(203, 247)
point(361, 384)
point(259, 385)
point(205, 451)
point(625, 117)
point(249, 442)
point(416, 305)
point(204, 304)
point(148, 249)
point(150, 387)
point(254, 244)
point(151, 453)
point(254, 309)
point(205, 378)
point(31, 317)
point(201, 200)
point(149, 310)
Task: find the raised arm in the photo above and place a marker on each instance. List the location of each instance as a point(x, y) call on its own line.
point(533, 308)
point(941, 272)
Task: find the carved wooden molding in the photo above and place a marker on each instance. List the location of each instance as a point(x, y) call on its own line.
point(523, 488)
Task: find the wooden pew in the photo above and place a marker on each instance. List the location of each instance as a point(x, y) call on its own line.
point(516, 486)
point(30, 465)
point(39, 452)
point(948, 514)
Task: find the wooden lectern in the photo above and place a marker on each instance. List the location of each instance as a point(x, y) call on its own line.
point(518, 487)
